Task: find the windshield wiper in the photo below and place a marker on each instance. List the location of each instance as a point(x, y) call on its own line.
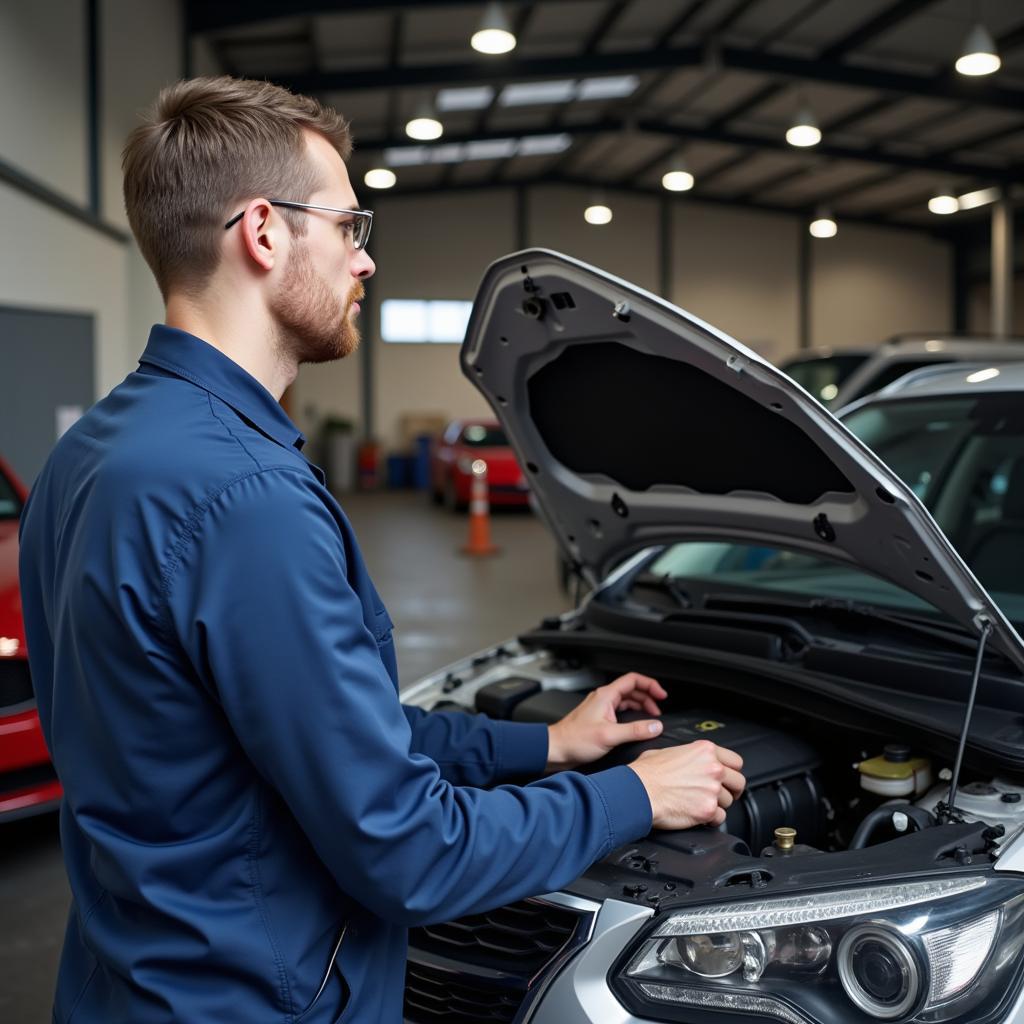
point(951, 633)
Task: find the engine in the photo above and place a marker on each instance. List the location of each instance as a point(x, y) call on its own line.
point(854, 797)
point(783, 786)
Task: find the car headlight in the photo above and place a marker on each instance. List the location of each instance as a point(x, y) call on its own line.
point(929, 950)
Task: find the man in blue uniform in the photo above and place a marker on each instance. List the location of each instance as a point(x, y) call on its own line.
point(251, 817)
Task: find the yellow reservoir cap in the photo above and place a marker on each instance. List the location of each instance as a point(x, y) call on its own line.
point(881, 768)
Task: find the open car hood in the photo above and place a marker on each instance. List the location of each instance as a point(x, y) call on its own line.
point(639, 424)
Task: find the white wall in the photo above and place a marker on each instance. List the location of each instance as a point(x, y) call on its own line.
point(43, 92)
point(979, 309)
point(869, 283)
point(737, 269)
point(48, 259)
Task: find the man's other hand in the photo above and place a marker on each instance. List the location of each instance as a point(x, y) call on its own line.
point(690, 785)
point(589, 731)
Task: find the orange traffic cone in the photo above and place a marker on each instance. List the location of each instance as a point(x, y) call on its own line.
point(479, 540)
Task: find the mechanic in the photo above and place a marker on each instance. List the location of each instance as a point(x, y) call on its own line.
point(251, 818)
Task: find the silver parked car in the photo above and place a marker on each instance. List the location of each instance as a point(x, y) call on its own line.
point(837, 377)
point(848, 624)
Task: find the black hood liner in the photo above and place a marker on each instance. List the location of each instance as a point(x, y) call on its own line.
point(644, 420)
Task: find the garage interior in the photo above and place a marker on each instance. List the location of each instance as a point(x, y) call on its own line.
point(646, 138)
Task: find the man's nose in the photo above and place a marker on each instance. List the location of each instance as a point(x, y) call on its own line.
point(363, 266)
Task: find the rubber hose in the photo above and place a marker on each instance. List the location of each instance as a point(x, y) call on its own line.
point(921, 818)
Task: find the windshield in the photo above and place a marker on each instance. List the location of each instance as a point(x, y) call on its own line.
point(476, 435)
point(821, 377)
point(963, 457)
point(10, 506)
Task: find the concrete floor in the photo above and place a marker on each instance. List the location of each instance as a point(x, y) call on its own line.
point(443, 604)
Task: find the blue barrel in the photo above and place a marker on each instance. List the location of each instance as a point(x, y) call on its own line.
point(397, 471)
point(421, 463)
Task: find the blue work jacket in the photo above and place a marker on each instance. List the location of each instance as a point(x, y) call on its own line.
point(217, 686)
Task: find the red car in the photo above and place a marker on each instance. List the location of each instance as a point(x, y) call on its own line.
point(451, 465)
point(28, 784)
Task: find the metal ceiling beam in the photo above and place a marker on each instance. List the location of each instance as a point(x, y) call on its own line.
point(686, 133)
point(655, 192)
point(216, 15)
point(946, 86)
point(1011, 40)
point(871, 29)
point(842, 192)
point(775, 180)
point(612, 13)
point(662, 156)
point(950, 87)
point(813, 167)
point(875, 106)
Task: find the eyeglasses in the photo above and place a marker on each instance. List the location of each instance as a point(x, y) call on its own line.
point(358, 227)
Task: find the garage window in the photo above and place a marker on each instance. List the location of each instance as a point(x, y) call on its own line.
point(424, 320)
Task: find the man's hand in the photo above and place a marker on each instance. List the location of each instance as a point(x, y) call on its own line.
point(690, 785)
point(591, 730)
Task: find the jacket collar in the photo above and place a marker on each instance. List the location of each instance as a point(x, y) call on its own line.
point(184, 355)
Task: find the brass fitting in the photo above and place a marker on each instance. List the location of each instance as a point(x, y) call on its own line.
point(785, 838)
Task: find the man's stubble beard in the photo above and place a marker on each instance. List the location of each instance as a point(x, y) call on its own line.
point(311, 326)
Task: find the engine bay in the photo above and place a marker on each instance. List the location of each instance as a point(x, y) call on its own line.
point(827, 793)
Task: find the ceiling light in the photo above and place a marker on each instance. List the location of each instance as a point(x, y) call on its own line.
point(542, 145)
point(406, 156)
point(943, 204)
point(597, 213)
point(678, 178)
point(823, 225)
point(981, 197)
point(380, 177)
point(979, 56)
point(477, 149)
point(424, 126)
point(524, 94)
point(612, 87)
point(490, 149)
point(677, 181)
point(495, 33)
point(473, 97)
point(804, 130)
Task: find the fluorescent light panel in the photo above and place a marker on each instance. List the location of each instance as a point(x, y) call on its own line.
point(481, 149)
point(541, 145)
point(970, 200)
point(609, 87)
point(474, 97)
point(490, 149)
point(525, 94)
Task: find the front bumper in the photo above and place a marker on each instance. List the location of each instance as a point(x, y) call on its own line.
point(580, 994)
point(28, 783)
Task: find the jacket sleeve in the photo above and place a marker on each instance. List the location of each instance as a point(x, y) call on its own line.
point(258, 596)
point(474, 750)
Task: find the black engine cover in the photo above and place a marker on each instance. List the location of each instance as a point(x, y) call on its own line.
point(782, 788)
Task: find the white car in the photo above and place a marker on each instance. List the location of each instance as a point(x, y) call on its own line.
point(800, 604)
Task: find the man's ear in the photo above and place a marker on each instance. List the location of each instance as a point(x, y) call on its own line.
point(261, 233)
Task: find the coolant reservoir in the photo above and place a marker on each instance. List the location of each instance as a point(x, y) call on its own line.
point(995, 803)
point(895, 773)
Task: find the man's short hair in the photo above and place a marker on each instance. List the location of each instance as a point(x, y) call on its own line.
point(209, 145)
